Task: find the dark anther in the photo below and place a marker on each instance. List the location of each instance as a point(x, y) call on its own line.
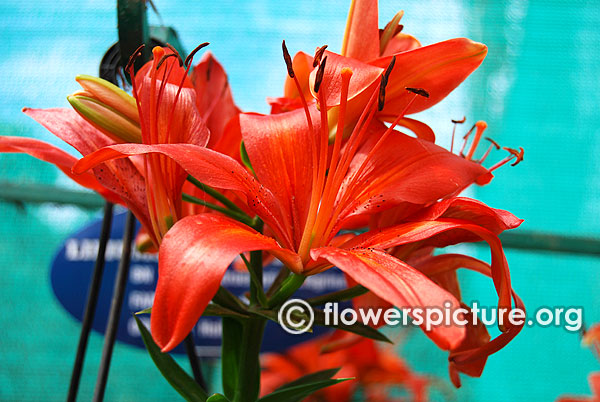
point(494, 143)
point(318, 55)
point(191, 55)
point(288, 60)
point(162, 59)
point(134, 55)
point(418, 91)
point(460, 121)
point(399, 29)
point(176, 52)
point(388, 71)
point(381, 97)
point(384, 80)
point(519, 154)
point(319, 76)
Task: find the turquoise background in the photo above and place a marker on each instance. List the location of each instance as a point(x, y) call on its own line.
point(538, 88)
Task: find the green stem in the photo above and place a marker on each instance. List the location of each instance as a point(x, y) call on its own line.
point(225, 298)
point(284, 272)
point(256, 280)
point(242, 217)
point(339, 296)
point(288, 287)
point(216, 195)
point(248, 386)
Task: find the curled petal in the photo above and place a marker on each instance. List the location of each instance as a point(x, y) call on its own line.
point(397, 283)
point(193, 258)
point(418, 231)
point(470, 357)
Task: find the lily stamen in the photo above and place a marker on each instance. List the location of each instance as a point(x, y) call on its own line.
point(514, 154)
point(493, 144)
point(456, 122)
point(481, 126)
point(465, 140)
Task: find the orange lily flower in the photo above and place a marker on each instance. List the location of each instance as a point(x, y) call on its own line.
point(305, 196)
point(438, 68)
point(168, 106)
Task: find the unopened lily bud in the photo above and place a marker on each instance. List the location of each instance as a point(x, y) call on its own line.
point(110, 95)
point(106, 119)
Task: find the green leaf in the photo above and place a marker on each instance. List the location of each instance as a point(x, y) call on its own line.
point(217, 398)
point(145, 311)
point(215, 310)
point(339, 296)
point(299, 392)
point(357, 328)
point(312, 378)
point(230, 356)
point(175, 375)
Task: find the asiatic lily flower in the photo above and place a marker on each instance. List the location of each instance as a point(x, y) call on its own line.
point(168, 106)
point(305, 197)
point(375, 370)
point(438, 68)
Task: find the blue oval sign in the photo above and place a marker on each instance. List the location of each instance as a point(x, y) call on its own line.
point(71, 274)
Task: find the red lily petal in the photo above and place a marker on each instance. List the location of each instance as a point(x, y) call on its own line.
point(421, 130)
point(470, 357)
point(67, 125)
point(401, 43)
point(213, 96)
point(277, 146)
point(193, 257)
point(361, 39)
point(420, 174)
point(364, 77)
point(302, 65)
point(210, 167)
point(417, 231)
point(467, 209)
point(64, 161)
point(438, 68)
point(395, 282)
point(121, 177)
point(176, 118)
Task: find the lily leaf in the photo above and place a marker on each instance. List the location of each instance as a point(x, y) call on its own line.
point(356, 328)
point(217, 398)
point(311, 378)
point(216, 310)
point(299, 392)
point(144, 311)
point(175, 375)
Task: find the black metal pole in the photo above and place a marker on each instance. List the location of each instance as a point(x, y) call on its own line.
point(190, 348)
point(115, 309)
point(92, 302)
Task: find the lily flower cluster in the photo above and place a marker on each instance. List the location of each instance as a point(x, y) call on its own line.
point(329, 178)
